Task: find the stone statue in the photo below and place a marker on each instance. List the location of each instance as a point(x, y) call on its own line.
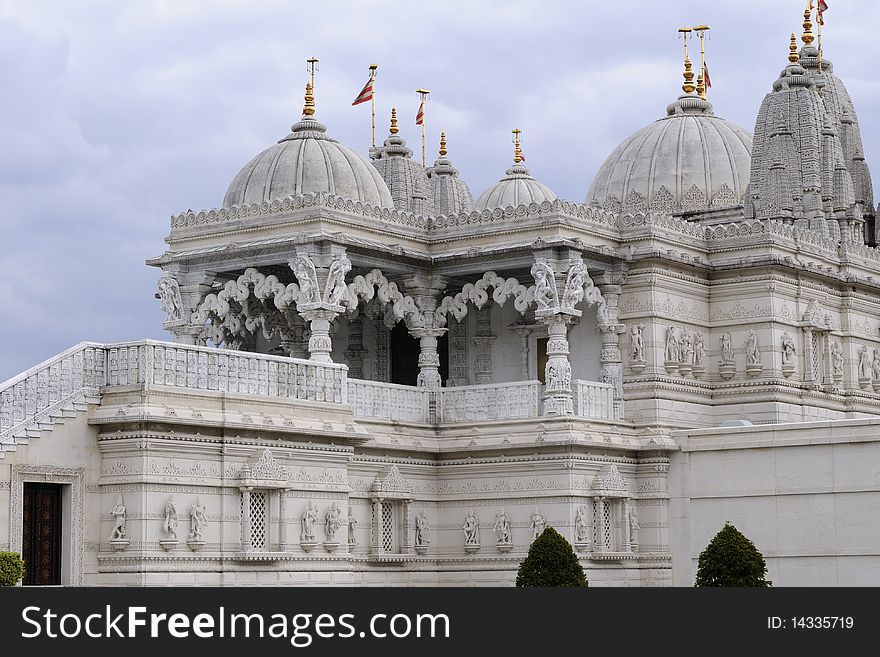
point(699, 348)
point(537, 523)
point(198, 521)
point(422, 529)
point(574, 286)
point(876, 366)
point(171, 519)
point(335, 289)
point(546, 296)
point(788, 349)
point(673, 351)
point(502, 528)
point(836, 359)
point(637, 352)
point(304, 270)
point(118, 514)
point(581, 528)
point(687, 348)
point(169, 296)
point(331, 522)
point(753, 356)
point(352, 525)
point(471, 529)
point(633, 520)
point(726, 348)
point(865, 368)
point(309, 517)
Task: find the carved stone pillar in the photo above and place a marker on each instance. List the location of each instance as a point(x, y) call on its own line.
point(381, 367)
point(483, 341)
point(282, 519)
point(320, 344)
point(354, 354)
point(458, 352)
point(558, 397)
point(246, 518)
point(425, 290)
point(624, 519)
point(429, 357)
point(610, 329)
point(407, 545)
point(378, 546)
point(293, 339)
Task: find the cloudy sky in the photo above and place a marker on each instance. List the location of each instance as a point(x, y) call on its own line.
point(117, 114)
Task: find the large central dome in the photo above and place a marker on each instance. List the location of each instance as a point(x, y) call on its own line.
point(687, 161)
point(307, 161)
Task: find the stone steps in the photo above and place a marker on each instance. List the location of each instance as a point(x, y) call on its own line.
point(71, 410)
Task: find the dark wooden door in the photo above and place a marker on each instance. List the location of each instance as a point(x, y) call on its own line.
point(41, 534)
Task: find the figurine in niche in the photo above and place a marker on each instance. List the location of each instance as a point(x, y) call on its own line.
point(309, 517)
point(118, 513)
point(171, 519)
point(538, 523)
point(836, 359)
point(788, 349)
point(638, 344)
point(687, 348)
point(673, 350)
point(699, 348)
point(865, 366)
point(633, 520)
point(581, 528)
point(726, 348)
point(352, 525)
point(502, 528)
point(422, 529)
point(332, 522)
point(198, 521)
point(471, 529)
point(875, 366)
point(752, 353)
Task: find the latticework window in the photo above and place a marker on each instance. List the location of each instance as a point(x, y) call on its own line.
point(814, 341)
point(259, 507)
point(606, 517)
point(387, 527)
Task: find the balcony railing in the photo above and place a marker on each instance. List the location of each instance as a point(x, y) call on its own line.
point(500, 401)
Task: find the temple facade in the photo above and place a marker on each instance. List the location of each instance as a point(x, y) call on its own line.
point(374, 379)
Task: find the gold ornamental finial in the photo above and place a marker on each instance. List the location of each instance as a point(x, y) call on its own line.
point(792, 50)
point(394, 129)
point(309, 107)
point(517, 151)
point(442, 144)
point(701, 87)
point(688, 86)
point(807, 36)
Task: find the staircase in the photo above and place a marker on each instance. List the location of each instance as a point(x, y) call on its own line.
point(47, 395)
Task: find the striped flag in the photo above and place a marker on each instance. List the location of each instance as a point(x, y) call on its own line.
point(366, 93)
point(420, 117)
point(706, 79)
point(821, 7)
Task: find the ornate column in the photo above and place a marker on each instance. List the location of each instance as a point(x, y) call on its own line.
point(354, 354)
point(483, 341)
point(320, 270)
point(524, 328)
point(610, 329)
point(377, 547)
point(425, 290)
point(293, 339)
point(458, 352)
point(558, 397)
point(246, 518)
point(407, 544)
point(180, 293)
point(282, 519)
point(624, 519)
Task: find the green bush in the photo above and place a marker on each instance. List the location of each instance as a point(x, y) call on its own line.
point(731, 559)
point(551, 562)
point(11, 568)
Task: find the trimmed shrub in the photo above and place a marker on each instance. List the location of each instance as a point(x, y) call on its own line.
point(731, 559)
point(11, 568)
point(551, 562)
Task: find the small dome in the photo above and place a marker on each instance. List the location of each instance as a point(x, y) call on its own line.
point(688, 160)
point(517, 187)
point(406, 180)
point(307, 161)
point(451, 193)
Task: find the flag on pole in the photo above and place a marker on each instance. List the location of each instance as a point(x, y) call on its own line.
point(706, 79)
point(366, 93)
point(821, 7)
point(420, 117)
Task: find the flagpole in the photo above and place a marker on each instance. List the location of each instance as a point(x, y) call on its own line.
point(701, 29)
point(424, 94)
point(312, 63)
point(373, 68)
point(819, 22)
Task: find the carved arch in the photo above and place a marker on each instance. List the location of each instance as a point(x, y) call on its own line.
point(478, 294)
point(375, 285)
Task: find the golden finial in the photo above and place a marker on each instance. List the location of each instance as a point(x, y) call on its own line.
point(701, 87)
point(807, 36)
point(517, 151)
point(792, 50)
point(442, 144)
point(394, 130)
point(309, 107)
point(688, 86)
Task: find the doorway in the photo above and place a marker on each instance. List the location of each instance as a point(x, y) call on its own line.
point(41, 534)
point(405, 356)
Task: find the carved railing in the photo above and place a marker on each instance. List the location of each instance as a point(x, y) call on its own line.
point(34, 396)
point(499, 401)
point(593, 399)
point(150, 362)
point(388, 401)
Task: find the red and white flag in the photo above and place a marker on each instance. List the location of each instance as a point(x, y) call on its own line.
point(366, 93)
point(706, 79)
point(820, 8)
point(420, 117)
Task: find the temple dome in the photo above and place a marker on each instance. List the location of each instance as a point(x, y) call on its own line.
point(687, 161)
point(451, 193)
point(308, 161)
point(517, 187)
point(406, 179)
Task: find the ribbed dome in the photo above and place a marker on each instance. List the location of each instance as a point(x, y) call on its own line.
point(308, 160)
point(407, 181)
point(451, 193)
point(689, 160)
point(517, 187)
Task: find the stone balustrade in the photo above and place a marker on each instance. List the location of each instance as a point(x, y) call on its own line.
point(594, 400)
point(481, 403)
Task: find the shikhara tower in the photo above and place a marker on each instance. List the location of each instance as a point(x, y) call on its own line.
point(375, 379)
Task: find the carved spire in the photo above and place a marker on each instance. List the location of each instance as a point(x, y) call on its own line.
point(442, 144)
point(309, 107)
point(792, 50)
point(394, 129)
